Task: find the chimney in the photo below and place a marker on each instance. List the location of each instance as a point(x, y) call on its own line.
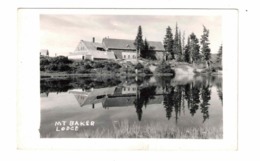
point(93, 39)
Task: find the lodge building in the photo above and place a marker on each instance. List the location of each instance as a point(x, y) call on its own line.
point(114, 49)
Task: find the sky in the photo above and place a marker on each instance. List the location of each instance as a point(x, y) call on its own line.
point(61, 34)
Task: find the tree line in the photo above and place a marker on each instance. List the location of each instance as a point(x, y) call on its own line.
point(195, 50)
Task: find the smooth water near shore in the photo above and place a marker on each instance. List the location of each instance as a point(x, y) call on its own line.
point(144, 107)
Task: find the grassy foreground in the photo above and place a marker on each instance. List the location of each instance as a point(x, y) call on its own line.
point(124, 130)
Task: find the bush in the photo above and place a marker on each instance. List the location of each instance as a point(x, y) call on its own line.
point(61, 59)
point(139, 66)
point(164, 68)
point(63, 67)
point(82, 70)
point(44, 61)
point(98, 64)
point(51, 67)
point(42, 68)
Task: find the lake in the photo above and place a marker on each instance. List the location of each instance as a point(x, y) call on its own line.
point(186, 107)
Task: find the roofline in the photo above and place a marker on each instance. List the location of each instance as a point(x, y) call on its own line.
point(130, 40)
point(122, 48)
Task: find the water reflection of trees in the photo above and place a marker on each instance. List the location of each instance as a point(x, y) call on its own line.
point(205, 95)
point(168, 100)
point(193, 96)
point(64, 84)
point(176, 97)
point(219, 89)
point(194, 99)
point(142, 99)
point(55, 85)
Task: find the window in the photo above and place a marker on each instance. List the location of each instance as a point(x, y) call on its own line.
point(124, 56)
point(128, 56)
point(128, 88)
point(133, 57)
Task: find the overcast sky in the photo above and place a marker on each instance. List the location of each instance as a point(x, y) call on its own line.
point(61, 33)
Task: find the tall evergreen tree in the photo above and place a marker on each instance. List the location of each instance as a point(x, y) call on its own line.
point(205, 50)
point(194, 48)
point(219, 57)
point(139, 41)
point(187, 55)
point(176, 44)
point(180, 48)
point(168, 43)
point(145, 50)
point(183, 44)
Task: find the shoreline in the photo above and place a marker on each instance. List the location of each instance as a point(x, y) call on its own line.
point(52, 75)
point(55, 75)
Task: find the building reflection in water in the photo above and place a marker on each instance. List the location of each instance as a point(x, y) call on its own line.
point(176, 97)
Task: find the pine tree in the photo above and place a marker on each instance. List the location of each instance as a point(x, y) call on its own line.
point(205, 50)
point(219, 57)
point(187, 55)
point(183, 44)
point(194, 48)
point(145, 50)
point(180, 55)
point(176, 44)
point(139, 41)
point(168, 43)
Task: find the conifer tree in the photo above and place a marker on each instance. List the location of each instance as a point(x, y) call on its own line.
point(168, 43)
point(176, 49)
point(194, 48)
point(205, 50)
point(183, 43)
point(187, 54)
point(180, 54)
point(139, 41)
point(219, 57)
point(145, 50)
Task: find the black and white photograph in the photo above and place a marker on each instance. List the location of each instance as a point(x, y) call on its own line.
point(127, 79)
point(131, 76)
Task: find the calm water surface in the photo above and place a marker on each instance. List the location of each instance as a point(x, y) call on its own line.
point(72, 105)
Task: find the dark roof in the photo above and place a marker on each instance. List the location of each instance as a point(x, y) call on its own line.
point(158, 46)
point(118, 44)
point(128, 101)
point(111, 43)
point(119, 101)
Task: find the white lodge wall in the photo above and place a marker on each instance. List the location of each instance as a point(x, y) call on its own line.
point(129, 55)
